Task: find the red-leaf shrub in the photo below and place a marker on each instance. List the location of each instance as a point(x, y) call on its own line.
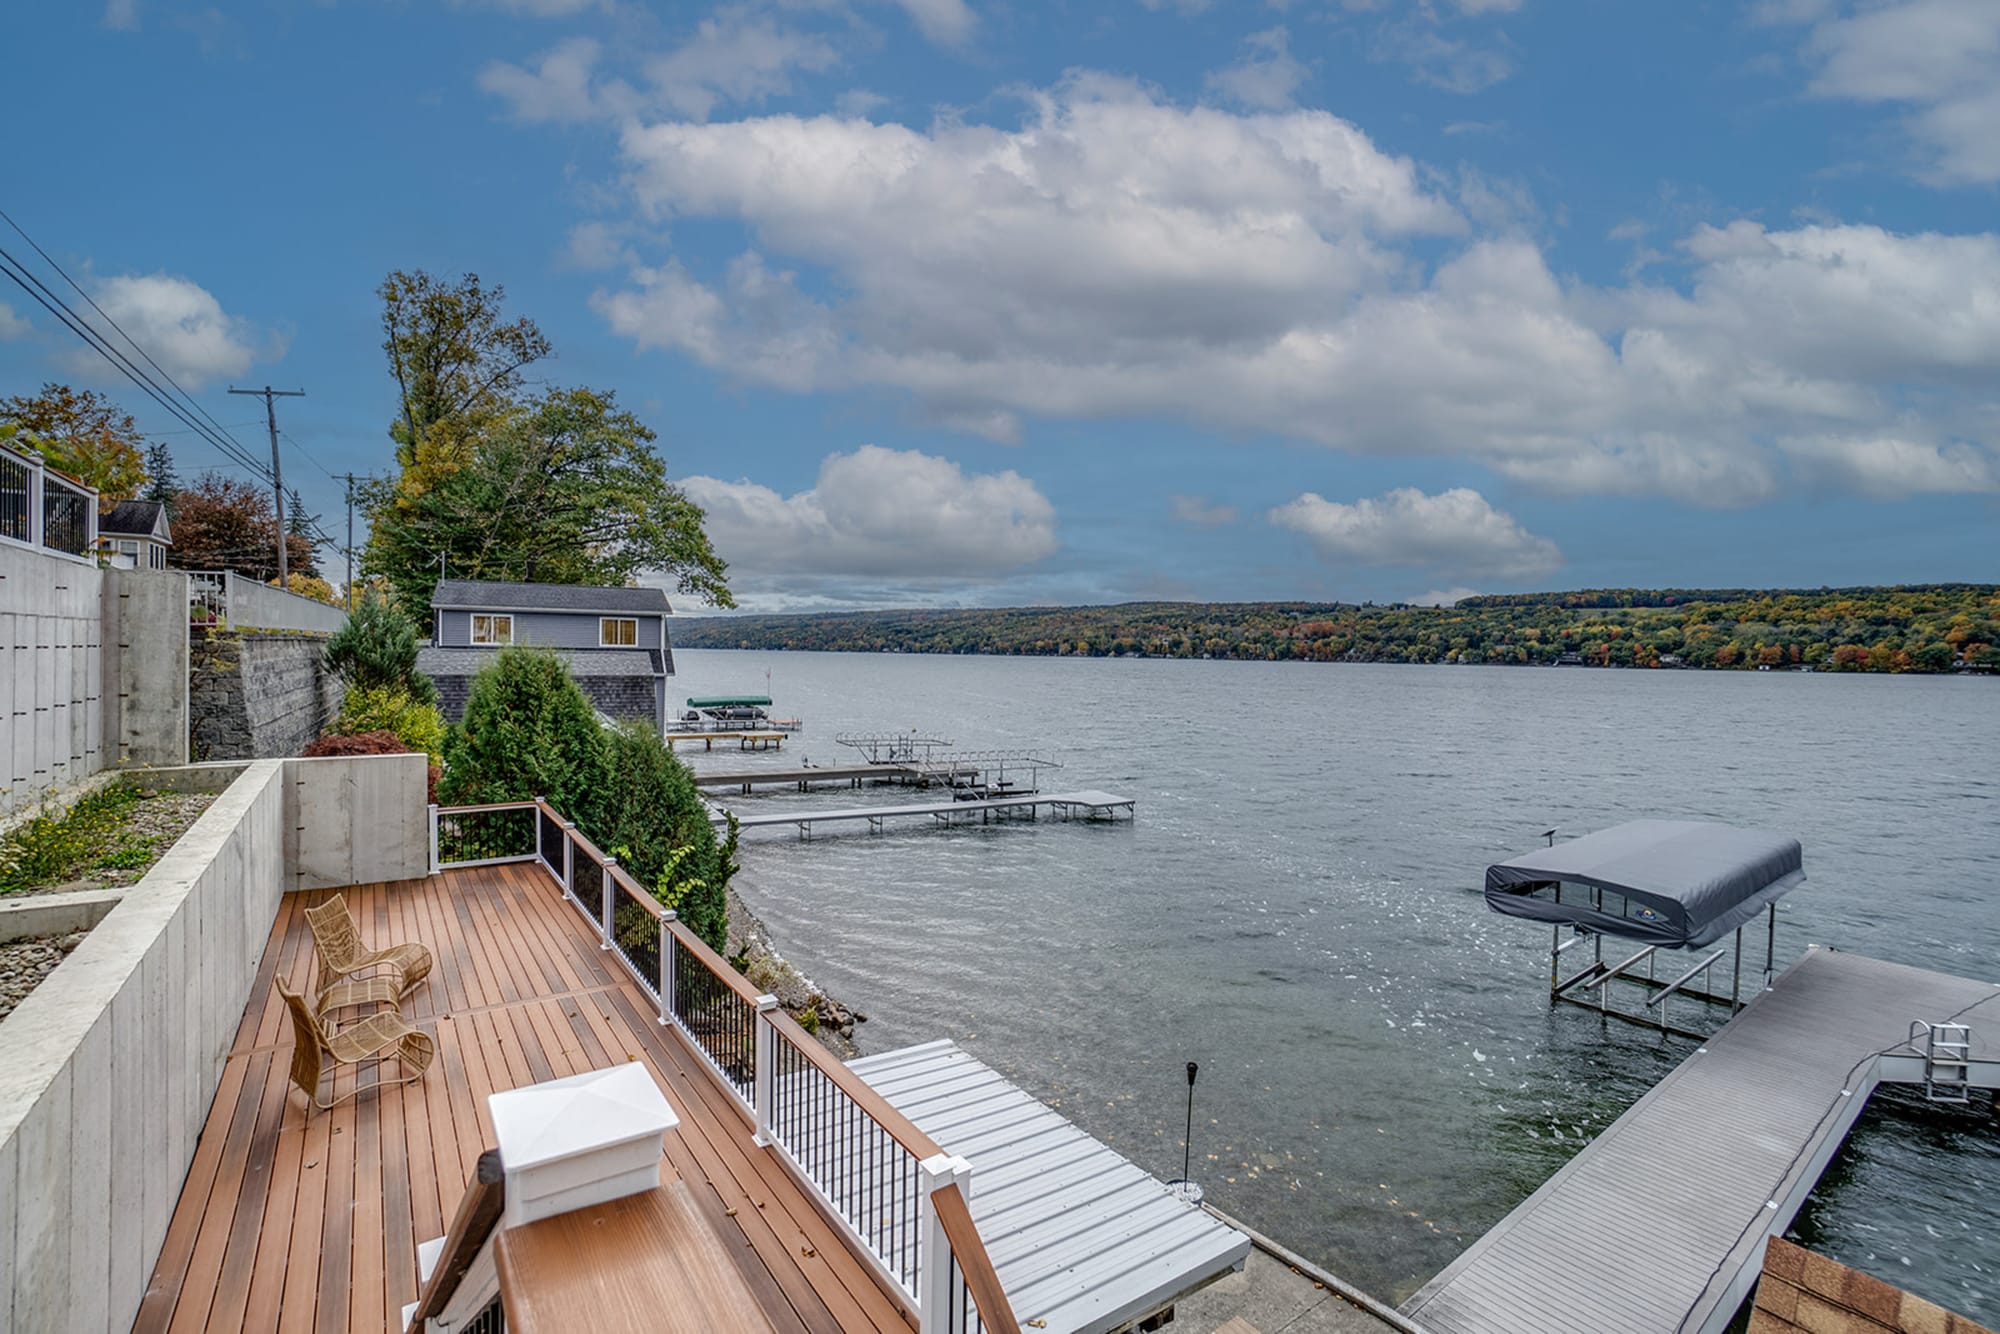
point(368, 743)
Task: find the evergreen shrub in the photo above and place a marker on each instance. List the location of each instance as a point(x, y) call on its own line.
point(528, 732)
point(377, 646)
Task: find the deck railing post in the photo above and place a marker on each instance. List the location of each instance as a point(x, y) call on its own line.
point(538, 833)
point(934, 1295)
point(667, 966)
point(569, 859)
point(435, 867)
point(765, 1058)
point(607, 899)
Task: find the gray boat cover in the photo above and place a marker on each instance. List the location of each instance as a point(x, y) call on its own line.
point(1685, 883)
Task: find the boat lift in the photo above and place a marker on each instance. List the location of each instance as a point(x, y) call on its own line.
point(1667, 884)
point(893, 747)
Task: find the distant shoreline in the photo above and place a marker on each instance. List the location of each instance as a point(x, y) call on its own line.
point(1930, 629)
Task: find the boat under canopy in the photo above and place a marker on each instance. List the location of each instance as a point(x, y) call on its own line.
point(729, 701)
point(1677, 884)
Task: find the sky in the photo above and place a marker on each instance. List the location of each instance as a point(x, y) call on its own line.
point(1004, 302)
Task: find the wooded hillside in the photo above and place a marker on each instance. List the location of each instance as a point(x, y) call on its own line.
point(1918, 628)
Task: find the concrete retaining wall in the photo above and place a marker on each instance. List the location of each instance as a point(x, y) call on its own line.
point(259, 606)
point(146, 672)
point(256, 694)
point(51, 674)
point(108, 1068)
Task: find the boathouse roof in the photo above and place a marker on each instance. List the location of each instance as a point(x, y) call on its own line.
point(1681, 884)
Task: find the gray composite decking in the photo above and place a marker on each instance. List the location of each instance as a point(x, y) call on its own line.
point(1082, 1239)
point(1658, 1226)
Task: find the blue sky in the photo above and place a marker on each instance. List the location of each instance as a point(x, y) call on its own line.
point(960, 301)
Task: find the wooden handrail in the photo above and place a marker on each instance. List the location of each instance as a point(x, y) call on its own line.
point(863, 1095)
point(995, 1311)
point(489, 806)
point(478, 1214)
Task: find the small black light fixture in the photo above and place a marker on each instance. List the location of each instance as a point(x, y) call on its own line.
point(1184, 1189)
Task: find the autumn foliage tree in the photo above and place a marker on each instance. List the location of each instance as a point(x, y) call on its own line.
point(223, 524)
point(496, 482)
point(83, 434)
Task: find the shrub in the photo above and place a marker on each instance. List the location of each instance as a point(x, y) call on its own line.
point(528, 732)
point(309, 586)
point(51, 848)
point(388, 708)
point(377, 646)
point(654, 817)
point(370, 743)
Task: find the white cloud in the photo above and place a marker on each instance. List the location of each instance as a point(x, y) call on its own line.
point(13, 326)
point(1266, 76)
point(183, 327)
point(1115, 255)
point(946, 22)
point(877, 519)
point(736, 55)
point(1940, 58)
point(558, 89)
point(1198, 513)
point(1444, 597)
point(1453, 532)
point(1892, 467)
point(121, 15)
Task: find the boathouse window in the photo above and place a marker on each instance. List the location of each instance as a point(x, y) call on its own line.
point(492, 629)
point(617, 632)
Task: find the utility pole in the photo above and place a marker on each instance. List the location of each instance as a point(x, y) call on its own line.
point(350, 544)
point(268, 394)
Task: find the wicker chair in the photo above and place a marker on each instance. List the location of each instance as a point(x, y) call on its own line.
point(337, 942)
point(372, 1039)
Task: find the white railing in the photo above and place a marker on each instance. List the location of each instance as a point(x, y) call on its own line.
point(39, 507)
point(894, 1192)
point(227, 600)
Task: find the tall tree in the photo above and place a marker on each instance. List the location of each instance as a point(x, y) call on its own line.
point(456, 358)
point(162, 482)
point(224, 524)
point(85, 435)
point(566, 490)
point(563, 487)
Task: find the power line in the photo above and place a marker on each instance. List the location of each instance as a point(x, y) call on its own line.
point(50, 261)
point(25, 279)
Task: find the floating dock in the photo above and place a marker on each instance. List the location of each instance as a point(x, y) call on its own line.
point(1659, 1224)
point(1089, 804)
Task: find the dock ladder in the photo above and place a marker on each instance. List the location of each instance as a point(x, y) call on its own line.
point(1947, 1060)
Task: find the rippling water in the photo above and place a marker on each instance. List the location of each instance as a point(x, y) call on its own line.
point(1296, 907)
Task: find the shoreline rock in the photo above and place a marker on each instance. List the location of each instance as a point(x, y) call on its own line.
point(749, 942)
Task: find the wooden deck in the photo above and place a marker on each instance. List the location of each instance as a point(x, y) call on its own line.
point(287, 1223)
point(1659, 1224)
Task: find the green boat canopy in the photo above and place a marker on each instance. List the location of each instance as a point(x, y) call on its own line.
point(728, 701)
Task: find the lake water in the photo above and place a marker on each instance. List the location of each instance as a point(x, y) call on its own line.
point(1296, 907)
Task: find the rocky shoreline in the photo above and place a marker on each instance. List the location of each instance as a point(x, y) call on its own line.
point(750, 947)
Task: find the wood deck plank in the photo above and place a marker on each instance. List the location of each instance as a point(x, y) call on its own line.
point(295, 1222)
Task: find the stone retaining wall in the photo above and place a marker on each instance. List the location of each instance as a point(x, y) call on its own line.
point(257, 694)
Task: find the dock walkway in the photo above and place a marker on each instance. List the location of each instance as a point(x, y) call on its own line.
point(1091, 804)
point(805, 779)
point(1659, 1224)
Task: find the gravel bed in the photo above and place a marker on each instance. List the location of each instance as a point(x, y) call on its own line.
point(24, 963)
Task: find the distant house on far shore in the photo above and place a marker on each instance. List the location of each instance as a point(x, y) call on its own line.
point(134, 535)
point(615, 640)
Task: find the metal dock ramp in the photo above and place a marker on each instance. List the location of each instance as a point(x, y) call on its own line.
point(1082, 1239)
point(1658, 1225)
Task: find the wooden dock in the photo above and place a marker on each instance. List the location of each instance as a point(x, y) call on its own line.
point(1088, 804)
point(1659, 1224)
point(759, 740)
